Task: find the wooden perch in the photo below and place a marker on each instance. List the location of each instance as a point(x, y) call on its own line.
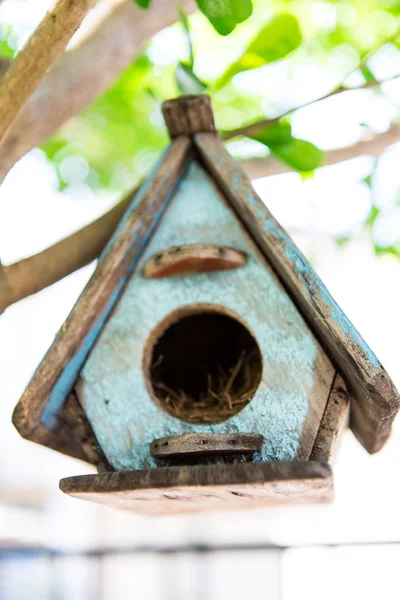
point(39, 53)
point(83, 73)
point(190, 259)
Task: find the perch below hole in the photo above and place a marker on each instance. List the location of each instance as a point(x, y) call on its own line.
point(205, 444)
point(202, 365)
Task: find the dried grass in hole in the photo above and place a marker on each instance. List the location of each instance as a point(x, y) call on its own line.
point(205, 368)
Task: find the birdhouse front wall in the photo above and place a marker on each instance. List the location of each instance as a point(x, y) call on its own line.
point(295, 376)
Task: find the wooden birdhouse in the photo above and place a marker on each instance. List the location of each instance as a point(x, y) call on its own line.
point(205, 365)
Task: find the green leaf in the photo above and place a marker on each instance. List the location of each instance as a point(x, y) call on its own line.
point(241, 9)
point(187, 81)
point(219, 13)
point(394, 250)
point(368, 180)
point(373, 215)
point(367, 74)
point(186, 28)
point(299, 154)
point(342, 240)
point(278, 133)
point(142, 3)
point(280, 36)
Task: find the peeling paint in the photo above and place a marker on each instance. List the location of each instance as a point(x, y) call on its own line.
point(123, 416)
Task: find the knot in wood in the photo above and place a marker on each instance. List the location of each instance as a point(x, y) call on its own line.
point(188, 115)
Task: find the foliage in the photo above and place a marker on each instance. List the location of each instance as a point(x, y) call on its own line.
point(301, 155)
point(224, 15)
point(275, 40)
point(252, 74)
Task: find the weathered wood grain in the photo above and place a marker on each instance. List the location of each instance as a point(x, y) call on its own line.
point(41, 50)
point(189, 259)
point(333, 422)
point(30, 275)
point(289, 402)
point(38, 410)
point(187, 489)
point(205, 444)
point(188, 115)
point(376, 398)
point(83, 432)
point(78, 78)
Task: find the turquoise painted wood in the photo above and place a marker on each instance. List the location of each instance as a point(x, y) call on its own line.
point(288, 405)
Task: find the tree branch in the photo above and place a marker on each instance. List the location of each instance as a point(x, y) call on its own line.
point(257, 126)
point(41, 50)
point(28, 276)
point(373, 146)
point(83, 73)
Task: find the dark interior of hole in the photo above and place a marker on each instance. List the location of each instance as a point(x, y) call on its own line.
point(205, 367)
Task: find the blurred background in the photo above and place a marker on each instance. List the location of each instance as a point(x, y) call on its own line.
point(330, 175)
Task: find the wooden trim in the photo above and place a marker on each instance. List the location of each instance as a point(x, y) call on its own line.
point(189, 259)
point(195, 488)
point(188, 115)
point(376, 398)
point(333, 423)
point(205, 444)
point(39, 409)
point(83, 432)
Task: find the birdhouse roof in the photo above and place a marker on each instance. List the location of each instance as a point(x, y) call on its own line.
point(47, 413)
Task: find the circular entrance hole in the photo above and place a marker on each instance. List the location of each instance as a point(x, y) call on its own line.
point(202, 365)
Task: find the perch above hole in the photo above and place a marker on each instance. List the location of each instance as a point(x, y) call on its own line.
point(189, 259)
point(206, 444)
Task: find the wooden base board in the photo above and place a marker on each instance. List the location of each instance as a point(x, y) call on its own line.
point(190, 489)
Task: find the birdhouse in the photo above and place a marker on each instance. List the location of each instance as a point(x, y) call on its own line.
point(205, 365)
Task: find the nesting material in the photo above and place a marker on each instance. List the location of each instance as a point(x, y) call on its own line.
point(205, 368)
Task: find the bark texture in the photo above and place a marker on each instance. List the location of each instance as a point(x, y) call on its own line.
point(33, 274)
point(30, 275)
point(39, 53)
point(83, 73)
point(373, 146)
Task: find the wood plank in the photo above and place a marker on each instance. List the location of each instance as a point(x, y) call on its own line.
point(115, 389)
point(189, 259)
point(38, 411)
point(334, 421)
point(187, 489)
point(376, 398)
point(205, 444)
point(188, 114)
point(83, 432)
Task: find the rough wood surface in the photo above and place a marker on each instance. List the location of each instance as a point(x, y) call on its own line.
point(296, 378)
point(198, 488)
point(190, 259)
point(83, 432)
point(39, 53)
point(376, 399)
point(188, 115)
point(50, 386)
point(205, 444)
point(4, 64)
point(83, 73)
point(62, 437)
point(334, 421)
point(30, 275)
